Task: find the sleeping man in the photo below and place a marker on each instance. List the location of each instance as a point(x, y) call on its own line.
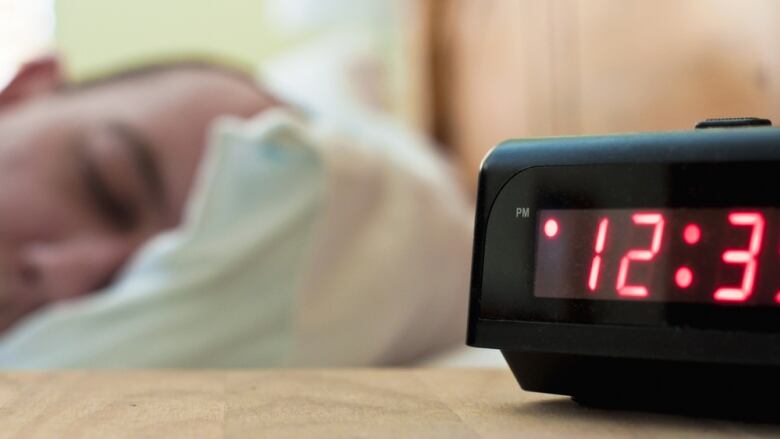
point(179, 215)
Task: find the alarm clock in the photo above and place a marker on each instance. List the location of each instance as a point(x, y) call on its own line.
point(640, 268)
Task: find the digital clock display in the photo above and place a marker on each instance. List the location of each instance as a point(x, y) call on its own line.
point(728, 257)
point(601, 259)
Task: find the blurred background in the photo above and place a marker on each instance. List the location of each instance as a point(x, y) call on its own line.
point(468, 73)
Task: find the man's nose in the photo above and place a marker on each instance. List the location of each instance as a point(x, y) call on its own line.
point(60, 270)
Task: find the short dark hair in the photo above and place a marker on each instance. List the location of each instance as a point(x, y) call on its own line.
point(140, 70)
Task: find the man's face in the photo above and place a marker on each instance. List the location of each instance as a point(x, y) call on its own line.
point(86, 176)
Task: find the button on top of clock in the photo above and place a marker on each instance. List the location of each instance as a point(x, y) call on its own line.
point(734, 122)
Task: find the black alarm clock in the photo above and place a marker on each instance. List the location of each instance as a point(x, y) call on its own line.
point(640, 268)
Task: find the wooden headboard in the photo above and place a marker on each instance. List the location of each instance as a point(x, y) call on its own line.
point(519, 68)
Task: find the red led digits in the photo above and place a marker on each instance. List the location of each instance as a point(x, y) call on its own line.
point(683, 277)
point(691, 234)
point(595, 266)
point(777, 297)
point(746, 257)
point(641, 219)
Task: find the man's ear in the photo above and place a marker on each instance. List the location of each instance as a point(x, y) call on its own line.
point(34, 78)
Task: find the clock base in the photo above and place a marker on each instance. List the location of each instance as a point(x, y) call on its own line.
point(733, 391)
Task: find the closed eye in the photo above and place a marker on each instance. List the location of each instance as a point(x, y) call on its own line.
point(118, 211)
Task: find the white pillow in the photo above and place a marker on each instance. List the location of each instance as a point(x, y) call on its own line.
point(302, 245)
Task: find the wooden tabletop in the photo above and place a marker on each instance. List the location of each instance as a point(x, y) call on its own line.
point(392, 403)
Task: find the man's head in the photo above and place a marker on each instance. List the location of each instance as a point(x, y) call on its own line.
point(89, 172)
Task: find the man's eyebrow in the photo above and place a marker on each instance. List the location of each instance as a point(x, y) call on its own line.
point(145, 161)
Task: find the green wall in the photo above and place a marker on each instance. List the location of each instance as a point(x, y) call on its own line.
point(99, 35)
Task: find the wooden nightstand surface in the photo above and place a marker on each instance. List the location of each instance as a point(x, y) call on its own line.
point(391, 403)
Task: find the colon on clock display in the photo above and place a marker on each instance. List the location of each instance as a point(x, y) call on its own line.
point(713, 256)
